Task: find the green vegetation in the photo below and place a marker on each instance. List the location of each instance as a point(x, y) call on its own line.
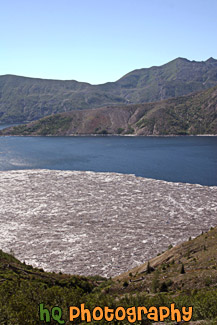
point(120, 130)
point(182, 269)
point(27, 99)
point(130, 130)
point(23, 288)
point(51, 125)
point(103, 132)
point(187, 115)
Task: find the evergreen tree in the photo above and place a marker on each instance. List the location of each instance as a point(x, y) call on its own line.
point(182, 269)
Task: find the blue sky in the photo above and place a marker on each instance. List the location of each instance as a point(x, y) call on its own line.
point(101, 40)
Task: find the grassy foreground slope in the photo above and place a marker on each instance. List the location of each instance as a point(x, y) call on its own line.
point(26, 99)
point(186, 115)
point(185, 275)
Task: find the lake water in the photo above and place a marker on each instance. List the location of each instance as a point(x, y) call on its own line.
point(4, 126)
point(176, 159)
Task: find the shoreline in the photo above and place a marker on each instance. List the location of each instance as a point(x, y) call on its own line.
point(112, 135)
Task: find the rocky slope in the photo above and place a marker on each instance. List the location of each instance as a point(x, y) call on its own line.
point(198, 257)
point(191, 114)
point(23, 99)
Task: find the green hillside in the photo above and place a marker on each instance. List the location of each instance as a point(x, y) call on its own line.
point(185, 275)
point(27, 99)
point(187, 115)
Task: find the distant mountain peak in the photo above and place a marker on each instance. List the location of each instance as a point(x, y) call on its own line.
point(181, 59)
point(211, 60)
point(27, 99)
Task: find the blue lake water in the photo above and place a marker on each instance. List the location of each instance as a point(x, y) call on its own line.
point(3, 126)
point(176, 159)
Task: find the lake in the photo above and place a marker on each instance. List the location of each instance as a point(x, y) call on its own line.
point(178, 159)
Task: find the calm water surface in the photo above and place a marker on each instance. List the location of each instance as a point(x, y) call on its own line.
point(3, 126)
point(176, 159)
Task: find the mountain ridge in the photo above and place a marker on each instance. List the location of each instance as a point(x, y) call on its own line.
point(211, 60)
point(186, 115)
point(27, 99)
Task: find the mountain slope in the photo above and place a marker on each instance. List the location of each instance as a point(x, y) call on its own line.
point(23, 99)
point(176, 78)
point(198, 257)
point(23, 288)
point(186, 115)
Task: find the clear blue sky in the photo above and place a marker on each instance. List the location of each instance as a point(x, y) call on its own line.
point(101, 40)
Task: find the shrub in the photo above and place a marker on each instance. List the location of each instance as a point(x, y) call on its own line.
point(182, 269)
point(125, 284)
